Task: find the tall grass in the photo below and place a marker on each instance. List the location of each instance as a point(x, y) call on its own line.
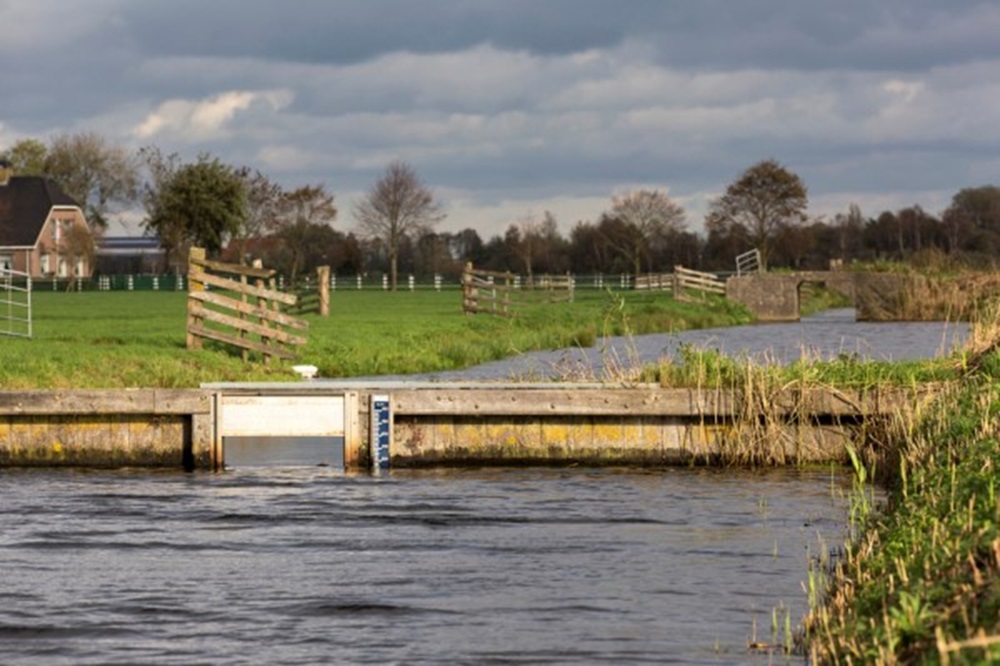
point(921, 584)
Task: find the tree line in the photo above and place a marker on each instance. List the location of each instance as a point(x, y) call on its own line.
point(239, 213)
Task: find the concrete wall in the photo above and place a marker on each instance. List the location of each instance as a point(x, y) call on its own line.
point(122, 428)
point(435, 423)
point(775, 296)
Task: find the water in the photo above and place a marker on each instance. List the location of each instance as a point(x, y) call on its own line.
point(504, 566)
point(827, 335)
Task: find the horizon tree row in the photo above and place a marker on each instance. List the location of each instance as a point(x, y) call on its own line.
point(240, 213)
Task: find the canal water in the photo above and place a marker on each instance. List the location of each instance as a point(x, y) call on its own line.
point(824, 336)
point(499, 566)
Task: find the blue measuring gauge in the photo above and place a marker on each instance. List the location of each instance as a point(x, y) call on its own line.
point(381, 432)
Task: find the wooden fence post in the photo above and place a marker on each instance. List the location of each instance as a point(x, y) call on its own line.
point(195, 283)
point(263, 305)
point(469, 305)
point(323, 280)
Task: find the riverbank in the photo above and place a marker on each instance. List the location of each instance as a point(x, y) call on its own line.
point(137, 340)
point(921, 584)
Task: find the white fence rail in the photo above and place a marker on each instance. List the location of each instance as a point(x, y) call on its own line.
point(655, 282)
point(748, 263)
point(15, 303)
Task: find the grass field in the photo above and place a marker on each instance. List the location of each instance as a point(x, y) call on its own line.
point(137, 339)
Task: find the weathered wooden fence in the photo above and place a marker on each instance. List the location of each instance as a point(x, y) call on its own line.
point(224, 306)
point(655, 282)
point(314, 298)
point(689, 283)
point(504, 293)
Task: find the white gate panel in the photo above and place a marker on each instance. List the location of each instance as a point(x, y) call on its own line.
point(284, 416)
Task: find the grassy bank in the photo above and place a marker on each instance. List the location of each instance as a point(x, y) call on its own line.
point(921, 584)
point(122, 339)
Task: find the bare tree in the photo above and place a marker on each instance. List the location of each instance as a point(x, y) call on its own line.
point(79, 248)
point(523, 237)
point(646, 218)
point(304, 213)
point(96, 173)
point(264, 204)
point(398, 206)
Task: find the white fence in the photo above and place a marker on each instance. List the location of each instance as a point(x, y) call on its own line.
point(15, 303)
point(748, 263)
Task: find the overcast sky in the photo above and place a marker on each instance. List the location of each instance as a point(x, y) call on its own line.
point(508, 108)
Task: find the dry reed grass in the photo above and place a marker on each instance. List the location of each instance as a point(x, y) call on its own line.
point(921, 583)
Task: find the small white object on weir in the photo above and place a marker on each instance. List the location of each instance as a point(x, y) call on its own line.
point(306, 371)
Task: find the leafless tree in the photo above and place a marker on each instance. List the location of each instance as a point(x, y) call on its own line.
point(96, 173)
point(646, 218)
point(397, 206)
point(264, 205)
point(77, 247)
point(303, 210)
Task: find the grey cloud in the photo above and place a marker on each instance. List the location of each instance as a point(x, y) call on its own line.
point(896, 34)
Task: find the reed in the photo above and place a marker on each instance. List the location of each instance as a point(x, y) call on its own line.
point(921, 581)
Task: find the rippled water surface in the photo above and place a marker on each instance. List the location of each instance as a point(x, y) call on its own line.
point(826, 335)
point(501, 566)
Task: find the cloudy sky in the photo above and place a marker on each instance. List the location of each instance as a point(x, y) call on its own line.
point(508, 108)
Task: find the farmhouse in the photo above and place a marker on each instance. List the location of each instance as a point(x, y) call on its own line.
point(43, 231)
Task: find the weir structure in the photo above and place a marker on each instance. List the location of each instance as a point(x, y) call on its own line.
point(366, 425)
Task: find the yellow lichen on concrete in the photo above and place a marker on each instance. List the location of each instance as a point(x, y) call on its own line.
point(608, 434)
point(560, 435)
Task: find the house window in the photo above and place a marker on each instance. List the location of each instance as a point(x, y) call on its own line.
point(62, 267)
point(43, 264)
point(56, 231)
point(79, 266)
point(6, 262)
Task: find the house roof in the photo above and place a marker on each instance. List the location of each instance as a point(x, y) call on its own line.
point(25, 203)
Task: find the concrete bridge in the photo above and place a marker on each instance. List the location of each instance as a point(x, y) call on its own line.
point(776, 296)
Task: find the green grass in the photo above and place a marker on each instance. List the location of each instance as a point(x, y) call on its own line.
point(922, 583)
point(137, 339)
point(713, 369)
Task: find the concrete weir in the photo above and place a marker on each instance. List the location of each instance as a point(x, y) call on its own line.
point(358, 425)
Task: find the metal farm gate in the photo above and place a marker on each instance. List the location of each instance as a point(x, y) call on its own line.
point(15, 303)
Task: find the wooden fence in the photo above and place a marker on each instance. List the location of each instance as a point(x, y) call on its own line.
point(656, 282)
point(687, 281)
point(504, 293)
point(237, 312)
point(314, 298)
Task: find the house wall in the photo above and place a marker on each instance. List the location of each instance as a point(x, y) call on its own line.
point(53, 243)
point(21, 258)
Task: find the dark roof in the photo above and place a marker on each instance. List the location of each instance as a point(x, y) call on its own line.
point(25, 203)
